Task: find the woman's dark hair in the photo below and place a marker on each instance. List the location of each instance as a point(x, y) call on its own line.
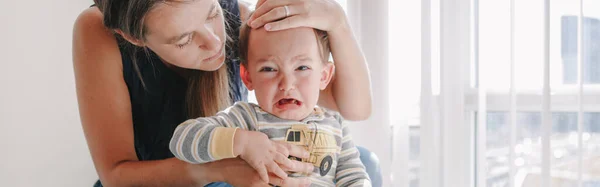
point(207, 92)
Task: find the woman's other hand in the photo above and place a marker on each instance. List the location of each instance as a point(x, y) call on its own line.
point(261, 153)
point(267, 156)
point(238, 172)
point(326, 15)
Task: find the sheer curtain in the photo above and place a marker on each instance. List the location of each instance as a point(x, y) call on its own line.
point(518, 102)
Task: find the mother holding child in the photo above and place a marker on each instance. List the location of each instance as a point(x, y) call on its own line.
point(143, 67)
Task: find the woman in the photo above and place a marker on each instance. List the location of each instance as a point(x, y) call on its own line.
point(144, 66)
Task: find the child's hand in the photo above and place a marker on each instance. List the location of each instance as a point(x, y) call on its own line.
point(261, 153)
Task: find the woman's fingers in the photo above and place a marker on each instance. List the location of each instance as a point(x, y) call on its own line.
point(287, 23)
point(279, 13)
point(283, 160)
point(292, 165)
point(297, 166)
point(260, 2)
point(275, 14)
point(289, 181)
point(275, 169)
point(294, 150)
point(281, 148)
point(268, 6)
point(261, 169)
point(326, 15)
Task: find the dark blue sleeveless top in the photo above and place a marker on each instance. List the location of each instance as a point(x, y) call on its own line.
point(158, 108)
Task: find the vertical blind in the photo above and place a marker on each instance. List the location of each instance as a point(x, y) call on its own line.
point(455, 133)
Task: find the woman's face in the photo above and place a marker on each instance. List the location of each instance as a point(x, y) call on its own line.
point(188, 34)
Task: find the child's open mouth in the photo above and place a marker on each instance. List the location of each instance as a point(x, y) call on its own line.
point(288, 103)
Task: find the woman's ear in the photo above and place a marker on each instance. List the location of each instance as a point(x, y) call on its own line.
point(246, 77)
point(130, 39)
point(327, 74)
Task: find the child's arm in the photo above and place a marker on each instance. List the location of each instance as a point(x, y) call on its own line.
point(217, 137)
point(208, 139)
point(350, 171)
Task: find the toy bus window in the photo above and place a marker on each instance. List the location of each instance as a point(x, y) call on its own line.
point(290, 137)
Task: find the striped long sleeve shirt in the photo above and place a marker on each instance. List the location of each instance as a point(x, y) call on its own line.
point(323, 133)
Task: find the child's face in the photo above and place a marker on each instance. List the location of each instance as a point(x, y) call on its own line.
point(286, 71)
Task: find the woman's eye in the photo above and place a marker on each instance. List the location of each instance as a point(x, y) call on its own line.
point(188, 41)
point(267, 69)
point(214, 15)
point(302, 68)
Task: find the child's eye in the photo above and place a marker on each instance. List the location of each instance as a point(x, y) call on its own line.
point(267, 69)
point(302, 68)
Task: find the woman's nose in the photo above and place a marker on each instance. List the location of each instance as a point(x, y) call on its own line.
point(210, 41)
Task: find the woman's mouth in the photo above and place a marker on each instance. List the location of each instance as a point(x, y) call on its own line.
point(219, 53)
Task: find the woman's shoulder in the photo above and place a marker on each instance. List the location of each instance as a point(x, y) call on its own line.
point(89, 25)
point(92, 41)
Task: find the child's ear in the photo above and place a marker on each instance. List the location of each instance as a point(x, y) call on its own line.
point(327, 74)
point(130, 39)
point(246, 77)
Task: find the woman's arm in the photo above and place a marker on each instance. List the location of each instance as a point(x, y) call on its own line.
point(105, 112)
point(350, 91)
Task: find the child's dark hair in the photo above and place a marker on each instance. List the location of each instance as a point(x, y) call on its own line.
point(321, 37)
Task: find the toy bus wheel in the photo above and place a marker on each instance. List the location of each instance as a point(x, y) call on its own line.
point(325, 165)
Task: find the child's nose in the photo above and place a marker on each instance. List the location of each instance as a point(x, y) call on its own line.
point(287, 83)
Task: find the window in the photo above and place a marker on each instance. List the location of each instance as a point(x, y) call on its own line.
point(414, 153)
point(528, 55)
point(527, 150)
point(405, 83)
point(569, 49)
point(297, 136)
point(491, 52)
point(494, 45)
point(293, 136)
point(290, 137)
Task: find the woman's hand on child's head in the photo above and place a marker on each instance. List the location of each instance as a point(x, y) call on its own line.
point(326, 15)
point(261, 153)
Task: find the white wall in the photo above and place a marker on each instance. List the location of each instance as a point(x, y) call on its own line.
point(41, 140)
